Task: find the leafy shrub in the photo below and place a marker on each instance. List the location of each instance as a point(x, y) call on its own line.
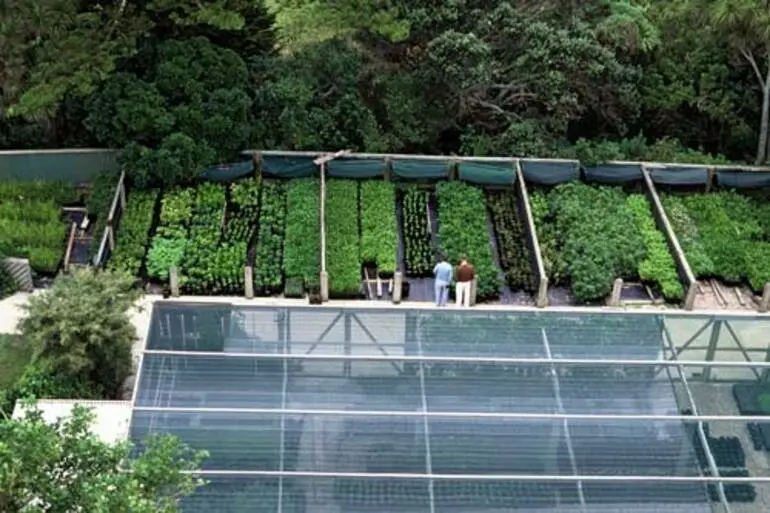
point(658, 265)
point(688, 235)
point(268, 265)
point(515, 255)
point(30, 222)
point(378, 225)
point(598, 237)
point(463, 232)
point(418, 251)
point(343, 245)
point(243, 212)
point(170, 239)
point(546, 236)
point(200, 267)
point(302, 246)
point(131, 241)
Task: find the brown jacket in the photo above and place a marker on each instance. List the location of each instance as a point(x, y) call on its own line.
point(465, 273)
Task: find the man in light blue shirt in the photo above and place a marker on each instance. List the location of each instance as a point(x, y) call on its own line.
point(443, 274)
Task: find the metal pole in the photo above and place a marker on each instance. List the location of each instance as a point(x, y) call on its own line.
point(323, 217)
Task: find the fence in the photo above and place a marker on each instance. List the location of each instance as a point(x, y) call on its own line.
point(114, 216)
point(72, 165)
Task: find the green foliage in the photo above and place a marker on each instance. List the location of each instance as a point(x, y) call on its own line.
point(15, 356)
point(268, 265)
point(418, 250)
point(80, 330)
point(201, 271)
point(689, 237)
point(732, 235)
point(168, 245)
point(598, 237)
point(658, 265)
point(302, 245)
point(343, 244)
point(378, 225)
point(62, 465)
point(463, 232)
point(546, 236)
point(591, 153)
point(515, 256)
point(30, 222)
point(132, 237)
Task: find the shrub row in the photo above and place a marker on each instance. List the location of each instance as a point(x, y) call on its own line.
point(598, 237)
point(463, 231)
point(378, 225)
point(515, 255)
point(689, 237)
point(168, 245)
point(268, 264)
point(202, 272)
point(301, 254)
point(31, 225)
point(131, 239)
point(343, 246)
point(546, 236)
point(733, 236)
point(418, 247)
point(658, 265)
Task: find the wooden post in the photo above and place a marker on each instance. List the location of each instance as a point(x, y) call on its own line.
point(123, 192)
point(474, 288)
point(173, 280)
point(324, 286)
point(617, 289)
point(323, 218)
point(256, 158)
point(387, 173)
point(398, 282)
point(764, 304)
point(692, 293)
point(542, 293)
point(710, 178)
point(248, 276)
point(111, 237)
point(70, 243)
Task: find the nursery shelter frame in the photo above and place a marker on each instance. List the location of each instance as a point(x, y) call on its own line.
point(350, 339)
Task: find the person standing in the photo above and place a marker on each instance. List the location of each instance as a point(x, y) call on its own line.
point(465, 275)
point(442, 273)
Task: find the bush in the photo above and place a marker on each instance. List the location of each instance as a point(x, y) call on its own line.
point(201, 272)
point(418, 247)
point(268, 265)
point(170, 241)
point(30, 222)
point(546, 236)
point(688, 235)
point(343, 245)
point(515, 255)
point(378, 225)
point(658, 265)
point(132, 236)
point(301, 252)
point(599, 238)
point(463, 231)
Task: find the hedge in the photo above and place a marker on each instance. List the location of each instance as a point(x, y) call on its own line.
point(378, 225)
point(302, 245)
point(343, 245)
point(131, 238)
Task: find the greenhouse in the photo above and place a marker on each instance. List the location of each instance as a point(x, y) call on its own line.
point(372, 409)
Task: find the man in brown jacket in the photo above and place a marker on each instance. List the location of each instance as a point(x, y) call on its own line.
point(465, 275)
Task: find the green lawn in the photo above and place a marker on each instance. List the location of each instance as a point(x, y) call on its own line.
point(14, 357)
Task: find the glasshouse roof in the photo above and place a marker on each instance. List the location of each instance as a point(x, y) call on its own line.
point(324, 409)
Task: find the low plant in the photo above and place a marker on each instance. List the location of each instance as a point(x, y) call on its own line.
point(378, 225)
point(343, 245)
point(200, 271)
point(658, 265)
point(302, 246)
point(688, 235)
point(170, 240)
point(268, 263)
point(418, 248)
point(131, 238)
point(515, 255)
point(463, 231)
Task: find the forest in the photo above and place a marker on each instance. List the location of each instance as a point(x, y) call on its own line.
point(180, 85)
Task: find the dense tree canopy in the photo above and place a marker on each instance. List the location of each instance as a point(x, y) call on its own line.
point(182, 85)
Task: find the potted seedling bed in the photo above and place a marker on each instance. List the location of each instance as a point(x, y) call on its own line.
point(416, 210)
point(267, 253)
point(592, 234)
point(379, 238)
point(510, 248)
point(725, 237)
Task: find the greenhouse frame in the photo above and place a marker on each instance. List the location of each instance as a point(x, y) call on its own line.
point(330, 408)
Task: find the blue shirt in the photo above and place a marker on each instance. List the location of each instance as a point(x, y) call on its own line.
point(443, 272)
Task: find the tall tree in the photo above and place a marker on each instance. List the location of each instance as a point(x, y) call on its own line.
point(61, 467)
point(746, 26)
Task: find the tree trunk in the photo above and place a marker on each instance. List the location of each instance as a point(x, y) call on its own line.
point(763, 143)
